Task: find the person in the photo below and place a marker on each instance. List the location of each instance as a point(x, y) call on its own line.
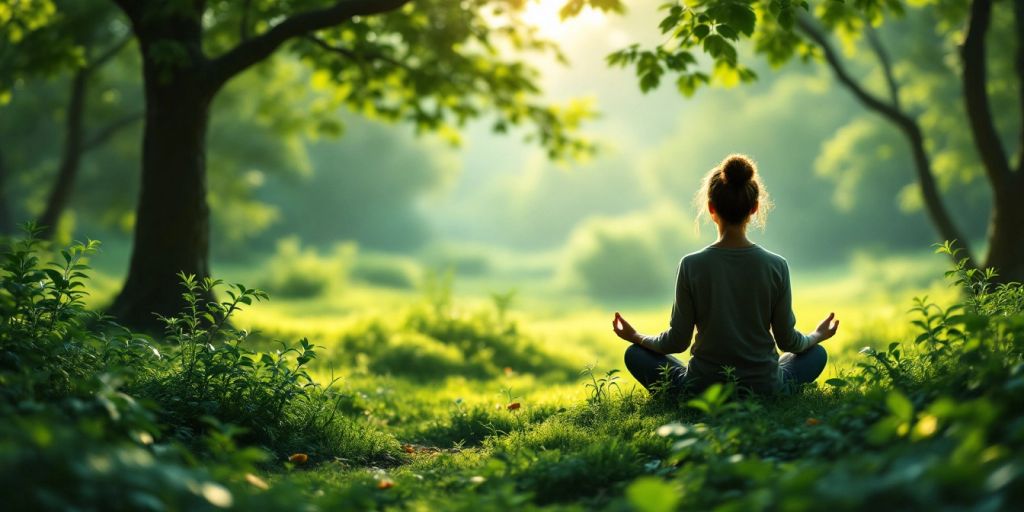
point(738, 297)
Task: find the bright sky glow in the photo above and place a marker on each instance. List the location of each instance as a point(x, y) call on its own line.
point(543, 14)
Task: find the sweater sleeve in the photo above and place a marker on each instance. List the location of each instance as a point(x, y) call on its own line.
point(677, 337)
point(784, 321)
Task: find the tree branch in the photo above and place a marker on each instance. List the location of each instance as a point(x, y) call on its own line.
point(883, 58)
point(255, 49)
point(937, 211)
point(979, 113)
point(890, 112)
point(357, 57)
point(108, 131)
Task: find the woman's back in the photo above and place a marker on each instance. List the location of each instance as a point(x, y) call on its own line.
point(738, 297)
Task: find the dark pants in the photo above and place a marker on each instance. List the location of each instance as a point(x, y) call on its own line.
point(650, 367)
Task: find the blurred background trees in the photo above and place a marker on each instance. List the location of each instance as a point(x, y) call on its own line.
point(303, 145)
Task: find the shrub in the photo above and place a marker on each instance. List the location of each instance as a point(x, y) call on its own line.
point(297, 272)
point(434, 340)
point(93, 416)
point(627, 257)
point(386, 271)
point(269, 394)
point(416, 356)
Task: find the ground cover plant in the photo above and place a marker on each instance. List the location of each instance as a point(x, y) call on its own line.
point(441, 407)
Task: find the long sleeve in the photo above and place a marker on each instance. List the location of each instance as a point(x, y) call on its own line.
point(677, 337)
point(784, 321)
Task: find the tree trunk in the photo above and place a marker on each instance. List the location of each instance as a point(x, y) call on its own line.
point(70, 158)
point(1006, 233)
point(172, 222)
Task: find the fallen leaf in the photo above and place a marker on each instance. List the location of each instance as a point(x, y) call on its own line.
point(299, 458)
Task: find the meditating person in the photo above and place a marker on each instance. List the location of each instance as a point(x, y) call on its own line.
point(739, 298)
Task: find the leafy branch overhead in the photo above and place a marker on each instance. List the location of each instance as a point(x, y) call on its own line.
point(403, 67)
point(714, 28)
point(434, 63)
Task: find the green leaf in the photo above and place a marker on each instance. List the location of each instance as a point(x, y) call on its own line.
point(900, 406)
point(651, 494)
point(727, 32)
point(741, 17)
point(649, 81)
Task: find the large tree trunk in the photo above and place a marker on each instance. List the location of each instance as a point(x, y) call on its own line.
point(1006, 245)
point(172, 222)
point(1006, 233)
point(70, 158)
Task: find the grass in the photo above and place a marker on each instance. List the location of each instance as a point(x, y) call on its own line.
point(455, 400)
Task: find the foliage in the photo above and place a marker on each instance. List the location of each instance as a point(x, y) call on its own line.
point(96, 416)
point(982, 295)
point(624, 257)
point(43, 315)
point(435, 340)
point(297, 272)
point(386, 271)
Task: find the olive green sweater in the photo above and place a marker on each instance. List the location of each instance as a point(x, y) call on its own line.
point(740, 301)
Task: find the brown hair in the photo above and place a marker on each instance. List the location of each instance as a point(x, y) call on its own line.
point(734, 187)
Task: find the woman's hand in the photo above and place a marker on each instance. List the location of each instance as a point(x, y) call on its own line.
point(624, 330)
point(826, 329)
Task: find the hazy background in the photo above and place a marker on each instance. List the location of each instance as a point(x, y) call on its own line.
point(331, 197)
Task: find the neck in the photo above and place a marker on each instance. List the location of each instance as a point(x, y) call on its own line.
point(730, 235)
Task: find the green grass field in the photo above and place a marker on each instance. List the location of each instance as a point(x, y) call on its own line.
point(452, 395)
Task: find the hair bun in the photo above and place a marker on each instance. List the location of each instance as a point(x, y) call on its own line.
point(737, 170)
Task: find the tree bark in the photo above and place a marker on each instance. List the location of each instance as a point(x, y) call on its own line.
point(1006, 233)
point(71, 156)
point(1005, 240)
point(172, 222)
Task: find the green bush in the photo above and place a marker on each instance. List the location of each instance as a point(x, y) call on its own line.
point(631, 257)
point(417, 356)
point(297, 272)
point(93, 416)
point(386, 271)
point(433, 341)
